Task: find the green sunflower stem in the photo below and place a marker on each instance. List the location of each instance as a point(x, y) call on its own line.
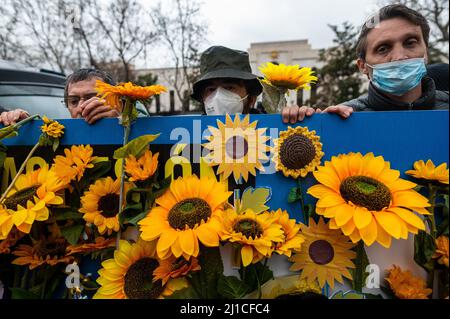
point(433, 228)
point(302, 202)
point(262, 278)
point(126, 137)
point(21, 169)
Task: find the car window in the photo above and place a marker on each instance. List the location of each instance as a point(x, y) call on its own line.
point(35, 99)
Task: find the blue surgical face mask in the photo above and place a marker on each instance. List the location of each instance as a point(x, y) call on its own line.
point(398, 77)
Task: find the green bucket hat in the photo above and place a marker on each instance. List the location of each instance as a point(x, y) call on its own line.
point(219, 62)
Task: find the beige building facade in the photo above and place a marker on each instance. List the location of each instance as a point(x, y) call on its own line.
point(286, 52)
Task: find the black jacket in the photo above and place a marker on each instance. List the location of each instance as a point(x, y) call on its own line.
point(431, 99)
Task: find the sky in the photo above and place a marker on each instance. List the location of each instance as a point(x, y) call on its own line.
point(237, 23)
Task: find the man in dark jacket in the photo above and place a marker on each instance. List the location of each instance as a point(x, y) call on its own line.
point(393, 55)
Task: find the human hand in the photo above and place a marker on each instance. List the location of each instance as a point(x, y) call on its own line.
point(343, 111)
point(294, 114)
point(11, 117)
point(95, 109)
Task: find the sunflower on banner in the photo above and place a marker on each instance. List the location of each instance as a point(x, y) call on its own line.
point(237, 147)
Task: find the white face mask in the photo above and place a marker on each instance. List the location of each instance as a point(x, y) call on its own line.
point(223, 102)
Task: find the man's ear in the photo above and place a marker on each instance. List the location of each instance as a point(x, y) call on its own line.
point(362, 66)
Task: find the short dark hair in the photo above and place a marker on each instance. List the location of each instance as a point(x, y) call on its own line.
point(391, 12)
point(87, 74)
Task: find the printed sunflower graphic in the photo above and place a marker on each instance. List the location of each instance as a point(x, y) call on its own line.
point(367, 199)
point(257, 234)
point(173, 268)
point(143, 168)
point(237, 147)
point(298, 151)
point(406, 286)
point(293, 240)
point(326, 255)
point(130, 274)
point(187, 214)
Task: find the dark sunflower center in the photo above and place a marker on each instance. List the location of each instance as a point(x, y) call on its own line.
point(321, 252)
point(21, 197)
point(108, 205)
point(297, 152)
point(366, 192)
point(51, 248)
point(236, 147)
point(291, 85)
point(179, 263)
point(139, 280)
point(189, 212)
point(249, 228)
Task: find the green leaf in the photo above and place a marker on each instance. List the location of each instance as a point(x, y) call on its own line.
point(132, 214)
point(3, 154)
point(55, 144)
point(205, 281)
point(232, 288)
point(255, 273)
point(19, 293)
point(254, 199)
point(424, 249)
point(361, 262)
point(444, 225)
point(8, 132)
point(72, 233)
point(271, 98)
point(294, 195)
point(61, 215)
point(136, 147)
point(184, 294)
point(99, 170)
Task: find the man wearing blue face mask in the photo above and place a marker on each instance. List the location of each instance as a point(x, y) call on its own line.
point(393, 55)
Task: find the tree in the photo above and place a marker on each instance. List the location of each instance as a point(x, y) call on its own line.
point(181, 32)
point(339, 78)
point(437, 14)
point(70, 34)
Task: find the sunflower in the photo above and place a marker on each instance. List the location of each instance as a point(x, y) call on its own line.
point(287, 287)
point(173, 268)
point(290, 77)
point(73, 165)
point(48, 251)
point(9, 241)
point(406, 286)
point(52, 128)
point(297, 152)
point(143, 168)
point(130, 274)
point(326, 256)
point(188, 212)
point(367, 199)
point(86, 248)
point(430, 172)
point(237, 147)
point(442, 250)
point(28, 201)
point(112, 94)
point(100, 205)
point(257, 234)
point(293, 239)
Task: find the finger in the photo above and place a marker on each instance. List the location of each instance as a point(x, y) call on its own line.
point(13, 117)
point(285, 115)
point(318, 111)
point(110, 113)
point(301, 113)
point(95, 111)
point(330, 109)
point(24, 115)
point(4, 119)
point(310, 111)
point(344, 111)
point(91, 106)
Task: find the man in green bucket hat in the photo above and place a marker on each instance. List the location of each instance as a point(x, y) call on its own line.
point(227, 84)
